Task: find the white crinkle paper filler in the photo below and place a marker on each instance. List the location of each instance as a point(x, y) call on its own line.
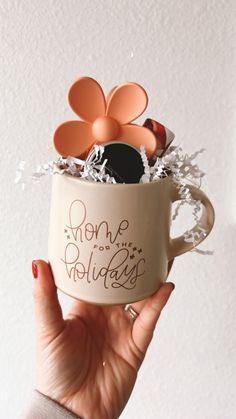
point(175, 163)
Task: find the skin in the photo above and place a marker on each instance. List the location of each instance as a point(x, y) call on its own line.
point(89, 360)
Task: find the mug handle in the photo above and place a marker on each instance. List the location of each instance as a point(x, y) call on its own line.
point(178, 245)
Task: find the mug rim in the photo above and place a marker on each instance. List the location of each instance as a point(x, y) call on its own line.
point(117, 185)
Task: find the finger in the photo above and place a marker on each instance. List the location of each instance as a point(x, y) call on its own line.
point(138, 306)
point(145, 323)
point(49, 318)
point(79, 308)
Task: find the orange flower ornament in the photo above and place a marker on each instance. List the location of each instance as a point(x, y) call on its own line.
point(103, 119)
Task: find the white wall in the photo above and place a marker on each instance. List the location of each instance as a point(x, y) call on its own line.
point(183, 53)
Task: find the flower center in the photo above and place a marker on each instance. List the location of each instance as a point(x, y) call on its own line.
point(105, 128)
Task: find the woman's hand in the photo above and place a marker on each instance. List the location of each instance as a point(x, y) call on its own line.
point(88, 362)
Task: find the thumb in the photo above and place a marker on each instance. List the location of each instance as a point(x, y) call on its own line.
point(49, 318)
point(145, 323)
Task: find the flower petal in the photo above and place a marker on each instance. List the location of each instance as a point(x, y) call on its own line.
point(127, 102)
point(73, 138)
point(109, 93)
point(137, 136)
point(87, 99)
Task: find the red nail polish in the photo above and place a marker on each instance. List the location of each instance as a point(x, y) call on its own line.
point(35, 270)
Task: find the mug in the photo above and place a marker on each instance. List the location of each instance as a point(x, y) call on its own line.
point(110, 243)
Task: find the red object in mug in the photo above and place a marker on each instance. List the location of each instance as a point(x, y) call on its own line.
point(164, 136)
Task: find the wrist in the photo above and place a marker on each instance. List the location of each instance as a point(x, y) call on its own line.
point(58, 406)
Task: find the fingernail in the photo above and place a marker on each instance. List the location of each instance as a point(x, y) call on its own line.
point(35, 270)
point(173, 285)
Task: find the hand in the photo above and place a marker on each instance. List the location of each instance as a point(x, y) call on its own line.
point(88, 362)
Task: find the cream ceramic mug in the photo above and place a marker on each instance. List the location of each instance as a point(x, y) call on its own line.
point(110, 243)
